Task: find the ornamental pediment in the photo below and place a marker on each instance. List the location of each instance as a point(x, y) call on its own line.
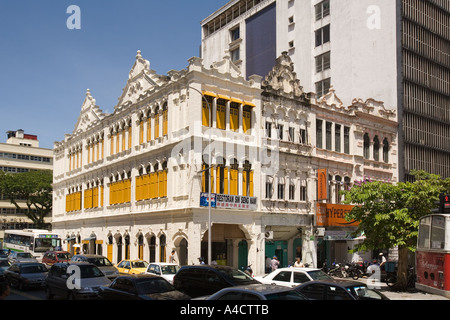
point(90, 114)
point(282, 79)
point(141, 81)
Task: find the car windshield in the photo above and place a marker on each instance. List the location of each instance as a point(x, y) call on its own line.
point(167, 270)
point(237, 275)
point(4, 263)
point(362, 292)
point(63, 256)
point(89, 271)
point(100, 262)
point(287, 295)
point(33, 268)
point(319, 275)
point(150, 286)
point(139, 264)
point(25, 255)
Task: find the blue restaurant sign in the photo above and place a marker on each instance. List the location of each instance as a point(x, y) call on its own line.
point(226, 201)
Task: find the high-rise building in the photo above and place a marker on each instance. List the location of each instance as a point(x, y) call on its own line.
point(393, 51)
point(20, 153)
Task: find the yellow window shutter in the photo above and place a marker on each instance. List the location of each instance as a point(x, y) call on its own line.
point(112, 145)
point(205, 114)
point(204, 179)
point(160, 184)
point(251, 184)
point(165, 122)
point(141, 132)
point(246, 123)
point(234, 182)
point(165, 183)
point(225, 180)
point(156, 126)
point(102, 196)
point(149, 129)
point(218, 177)
point(211, 172)
point(244, 183)
point(234, 119)
point(130, 137)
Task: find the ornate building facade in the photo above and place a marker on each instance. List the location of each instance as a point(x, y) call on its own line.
point(135, 183)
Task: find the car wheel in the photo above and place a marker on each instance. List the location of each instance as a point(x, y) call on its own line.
point(48, 293)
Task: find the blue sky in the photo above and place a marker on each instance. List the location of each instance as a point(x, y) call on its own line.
point(46, 68)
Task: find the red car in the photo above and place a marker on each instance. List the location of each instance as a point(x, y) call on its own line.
point(52, 257)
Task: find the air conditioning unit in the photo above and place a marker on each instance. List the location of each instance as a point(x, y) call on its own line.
point(320, 232)
point(269, 235)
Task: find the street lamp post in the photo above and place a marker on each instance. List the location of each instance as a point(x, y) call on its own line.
point(209, 167)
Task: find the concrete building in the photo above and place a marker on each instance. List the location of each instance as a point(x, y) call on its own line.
point(391, 51)
point(20, 153)
point(135, 183)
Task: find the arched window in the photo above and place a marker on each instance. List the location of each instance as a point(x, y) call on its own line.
point(386, 150)
point(247, 180)
point(234, 174)
point(221, 176)
point(376, 149)
point(366, 146)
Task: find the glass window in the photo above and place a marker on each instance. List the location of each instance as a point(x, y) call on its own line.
point(284, 276)
point(438, 232)
point(314, 291)
point(337, 293)
point(300, 277)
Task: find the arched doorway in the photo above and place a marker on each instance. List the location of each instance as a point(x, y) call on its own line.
point(152, 248)
point(127, 246)
point(183, 253)
point(140, 246)
point(119, 248)
point(162, 248)
point(242, 255)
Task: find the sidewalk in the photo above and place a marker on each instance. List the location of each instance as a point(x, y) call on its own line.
point(412, 294)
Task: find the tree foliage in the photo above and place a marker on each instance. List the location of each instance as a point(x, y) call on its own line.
point(32, 190)
point(389, 214)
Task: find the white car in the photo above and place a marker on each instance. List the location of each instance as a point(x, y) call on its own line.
point(163, 269)
point(292, 277)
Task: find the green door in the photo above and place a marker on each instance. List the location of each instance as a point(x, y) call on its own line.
point(242, 255)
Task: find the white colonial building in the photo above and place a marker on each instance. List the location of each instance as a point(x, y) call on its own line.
point(135, 183)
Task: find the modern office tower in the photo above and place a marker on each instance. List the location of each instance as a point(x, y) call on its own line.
point(393, 51)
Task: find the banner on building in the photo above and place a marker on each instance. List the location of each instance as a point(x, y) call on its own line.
point(226, 201)
point(322, 184)
point(333, 215)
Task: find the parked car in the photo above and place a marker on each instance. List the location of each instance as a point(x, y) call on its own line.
point(141, 287)
point(292, 277)
point(101, 262)
point(256, 292)
point(91, 278)
point(132, 266)
point(339, 290)
point(201, 280)
point(26, 274)
point(4, 253)
point(52, 257)
point(163, 269)
point(4, 264)
point(15, 256)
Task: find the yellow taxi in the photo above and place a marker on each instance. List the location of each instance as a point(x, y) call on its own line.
point(132, 266)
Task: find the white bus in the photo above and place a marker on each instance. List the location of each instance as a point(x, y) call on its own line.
point(34, 241)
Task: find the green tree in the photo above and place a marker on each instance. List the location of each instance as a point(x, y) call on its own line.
point(31, 189)
point(389, 214)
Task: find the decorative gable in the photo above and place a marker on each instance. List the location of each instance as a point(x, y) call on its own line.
point(141, 81)
point(90, 114)
point(282, 79)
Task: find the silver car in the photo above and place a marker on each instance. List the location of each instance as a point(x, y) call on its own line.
point(26, 274)
point(81, 283)
point(101, 262)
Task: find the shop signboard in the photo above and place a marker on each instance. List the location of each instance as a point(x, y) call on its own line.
point(226, 201)
point(333, 215)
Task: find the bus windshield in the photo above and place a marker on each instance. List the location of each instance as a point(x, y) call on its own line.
point(46, 244)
